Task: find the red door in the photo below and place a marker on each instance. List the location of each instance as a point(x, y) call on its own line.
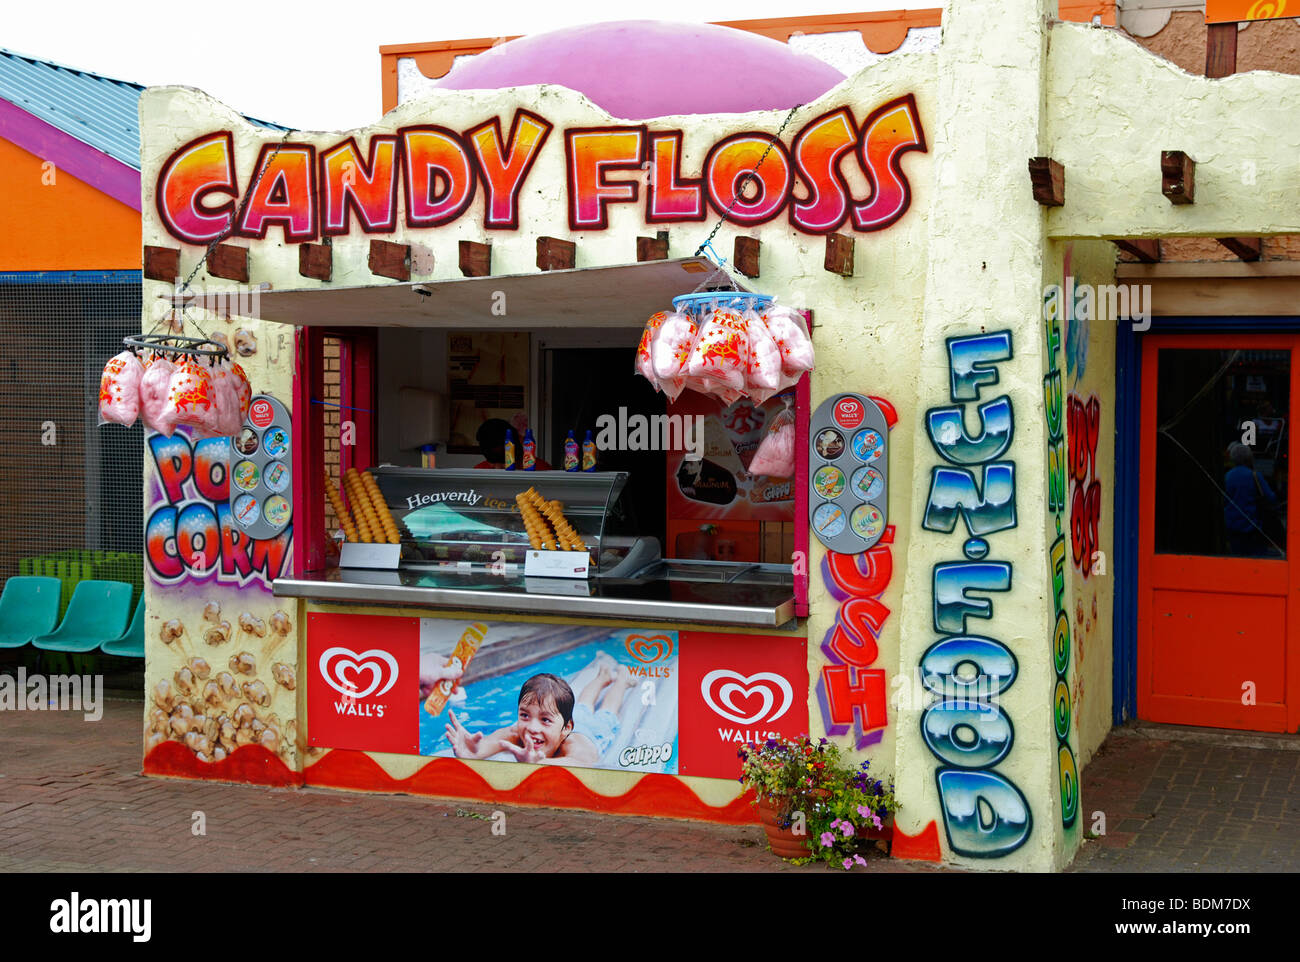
point(1218, 608)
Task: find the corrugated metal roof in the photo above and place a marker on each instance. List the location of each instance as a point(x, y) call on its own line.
point(96, 110)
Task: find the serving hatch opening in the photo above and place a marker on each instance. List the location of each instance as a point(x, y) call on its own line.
point(576, 297)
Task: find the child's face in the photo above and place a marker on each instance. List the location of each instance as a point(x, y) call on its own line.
point(541, 725)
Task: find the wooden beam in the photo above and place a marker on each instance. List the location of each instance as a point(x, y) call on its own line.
point(1220, 49)
point(230, 262)
point(839, 254)
point(652, 248)
point(554, 254)
point(390, 260)
point(1147, 251)
point(1048, 180)
point(744, 255)
point(475, 259)
point(162, 263)
point(1246, 248)
point(1177, 177)
point(316, 261)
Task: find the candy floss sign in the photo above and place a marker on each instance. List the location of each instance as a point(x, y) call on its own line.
point(190, 531)
point(427, 175)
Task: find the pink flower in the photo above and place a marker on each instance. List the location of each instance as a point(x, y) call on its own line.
point(876, 819)
point(846, 828)
point(827, 839)
point(860, 860)
point(848, 863)
point(864, 811)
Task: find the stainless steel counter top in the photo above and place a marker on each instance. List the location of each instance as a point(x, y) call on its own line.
point(740, 595)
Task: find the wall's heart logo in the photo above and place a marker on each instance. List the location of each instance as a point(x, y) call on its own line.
point(721, 687)
point(647, 649)
point(337, 663)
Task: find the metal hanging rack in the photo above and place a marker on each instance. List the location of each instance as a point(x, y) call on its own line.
point(173, 346)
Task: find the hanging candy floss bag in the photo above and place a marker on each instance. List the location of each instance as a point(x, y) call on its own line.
point(154, 386)
point(119, 390)
point(775, 454)
point(191, 399)
point(790, 333)
point(717, 362)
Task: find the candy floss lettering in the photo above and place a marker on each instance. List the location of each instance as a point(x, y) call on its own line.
point(307, 192)
point(970, 735)
point(192, 532)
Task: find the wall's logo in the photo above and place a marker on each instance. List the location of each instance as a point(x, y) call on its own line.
point(336, 664)
point(647, 649)
point(722, 686)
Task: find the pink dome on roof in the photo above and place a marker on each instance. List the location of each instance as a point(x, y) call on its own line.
point(641, 69)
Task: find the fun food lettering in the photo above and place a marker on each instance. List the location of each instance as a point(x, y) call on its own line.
point(969, 734)
point(191, 533)
point(310, 192)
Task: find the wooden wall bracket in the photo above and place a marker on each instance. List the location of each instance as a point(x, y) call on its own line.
point(390, 260)
point(554, 254)
point(230, 262)
point(475, 259)
point(316, 260)
point(1177, 177)
point(1048, 180)
point(652, 248)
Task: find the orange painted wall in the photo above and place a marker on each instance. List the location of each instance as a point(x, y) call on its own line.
point(64, 226)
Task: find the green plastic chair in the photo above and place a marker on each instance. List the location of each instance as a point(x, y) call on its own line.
point(97, 613)
point(28, 607)
point(131, 644)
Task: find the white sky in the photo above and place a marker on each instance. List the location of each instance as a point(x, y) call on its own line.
point(315, 66)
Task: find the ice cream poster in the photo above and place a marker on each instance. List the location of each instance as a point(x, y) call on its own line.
point(572, 695)
point(719, 485)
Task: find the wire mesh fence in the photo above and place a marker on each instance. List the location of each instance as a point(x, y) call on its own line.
point(70, 491)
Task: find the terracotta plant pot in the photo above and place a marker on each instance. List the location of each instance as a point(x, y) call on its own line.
point(783, 842)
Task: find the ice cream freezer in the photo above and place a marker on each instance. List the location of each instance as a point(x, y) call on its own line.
point(465, 545)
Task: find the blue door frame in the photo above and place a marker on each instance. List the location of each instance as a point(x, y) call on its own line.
point(1128, 398)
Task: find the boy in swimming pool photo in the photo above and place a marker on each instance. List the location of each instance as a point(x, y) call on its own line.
point(552, 728)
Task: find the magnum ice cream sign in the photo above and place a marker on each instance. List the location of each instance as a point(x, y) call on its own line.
point(310, 191)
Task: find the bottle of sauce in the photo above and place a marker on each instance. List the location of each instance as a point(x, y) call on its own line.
point(530, 451)
point(570, 453)
point(510, 450)
point(588, 453)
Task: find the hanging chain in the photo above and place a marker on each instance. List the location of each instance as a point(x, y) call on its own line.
point(745, 183)
point(235, 219)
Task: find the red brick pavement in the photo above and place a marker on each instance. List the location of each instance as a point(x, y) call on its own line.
point(72, 799)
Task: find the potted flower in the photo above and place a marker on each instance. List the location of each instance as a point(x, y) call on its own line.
point(813, 803)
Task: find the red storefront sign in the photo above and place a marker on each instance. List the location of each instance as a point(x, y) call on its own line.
point(734, 689)
point(363, 682)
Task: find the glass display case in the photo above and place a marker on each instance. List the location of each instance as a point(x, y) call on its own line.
point(472, 518)
point(464, 542)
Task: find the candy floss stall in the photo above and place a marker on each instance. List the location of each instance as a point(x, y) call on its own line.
point(726, 504)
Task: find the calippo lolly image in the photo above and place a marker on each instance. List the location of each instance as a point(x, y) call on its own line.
point(466, 648)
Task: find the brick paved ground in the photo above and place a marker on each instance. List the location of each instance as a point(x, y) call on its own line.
point(71, 799)
point(1193, 800)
